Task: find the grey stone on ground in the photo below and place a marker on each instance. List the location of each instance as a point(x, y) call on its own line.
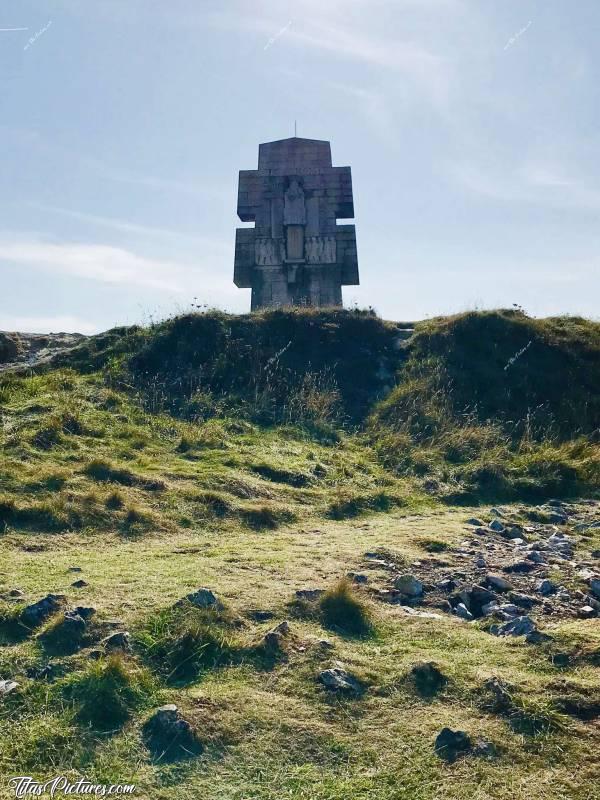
point(546, 587)
point(80, 584)
point(408, 585)
point(169, 736)
point(475, 521)
point(519, 567)
point(337, 679)
point(6, 687)
point(522, 600)
point(357, 577)
point(15, 594)
point(595, 586)
point(36, 613)
point(202, 598)
point(117, 641)
point(520, 626)
point(536, 557)
point(498, 583)
point(450, 744)
point(446, 585)
point(496, 525)
point(47, 671)
point(86, 612)
point(489, 608)
point(463, 612)
point(274, 638)
point(309, 594)
point(499, 698)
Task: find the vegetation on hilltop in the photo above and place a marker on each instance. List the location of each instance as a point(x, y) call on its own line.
point(284, 451)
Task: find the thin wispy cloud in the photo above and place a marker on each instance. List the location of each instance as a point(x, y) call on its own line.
point(125, 226)
point(320, 30)
point(533, 183)
point(95, 262)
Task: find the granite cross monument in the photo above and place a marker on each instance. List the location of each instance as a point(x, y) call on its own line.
point(296, 253)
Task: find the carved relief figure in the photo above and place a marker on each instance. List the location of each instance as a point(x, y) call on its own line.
point(294, 211)
point(267, 252)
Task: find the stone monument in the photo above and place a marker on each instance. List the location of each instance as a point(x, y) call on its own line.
point(296, 253)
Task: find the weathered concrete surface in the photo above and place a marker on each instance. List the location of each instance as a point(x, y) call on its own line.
point(296, 254)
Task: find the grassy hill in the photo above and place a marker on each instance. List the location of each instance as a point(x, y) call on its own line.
point(264, 454)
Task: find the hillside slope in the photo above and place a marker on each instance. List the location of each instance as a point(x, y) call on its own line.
point(334, 472)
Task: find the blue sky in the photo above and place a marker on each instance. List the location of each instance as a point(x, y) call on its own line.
point(471, 127)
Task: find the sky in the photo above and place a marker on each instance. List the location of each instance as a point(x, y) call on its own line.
point(471, 127)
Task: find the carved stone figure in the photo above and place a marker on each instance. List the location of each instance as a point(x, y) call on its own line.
point(294, 211)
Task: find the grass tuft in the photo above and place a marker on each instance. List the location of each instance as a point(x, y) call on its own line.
point(342, 610)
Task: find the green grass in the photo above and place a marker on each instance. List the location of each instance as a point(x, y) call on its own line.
point(106, 693)
point(342, 610)
point(208, 451)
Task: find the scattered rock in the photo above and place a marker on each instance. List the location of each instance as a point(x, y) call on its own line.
point(484, 749)
point(546, 587)
point(357, 577)
point(6, 687)
point(339, 680)
point(520, 626)
point(274, 638)
point(499, 697)
point(37, 613)
point(261, 616)
point(519, 567)
point(585, 612)
point(474, 521)
point(16, 594)
point(496, 525)
point(309, 594)
point(408, 585)
point(497, 512)
point(446, 585)
point(561, 659)
point(536, 557)
point(498, 583)
point(85, 612)
point(450, 744)
point(463, 612)
point(40, 673)
point(202, 598)
point(117, 641)
point(595, 586)
point(489, 608)
point(169, 736)
point(75, 569)
point(522, 600)
point(80, 584)
point(428, 678)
